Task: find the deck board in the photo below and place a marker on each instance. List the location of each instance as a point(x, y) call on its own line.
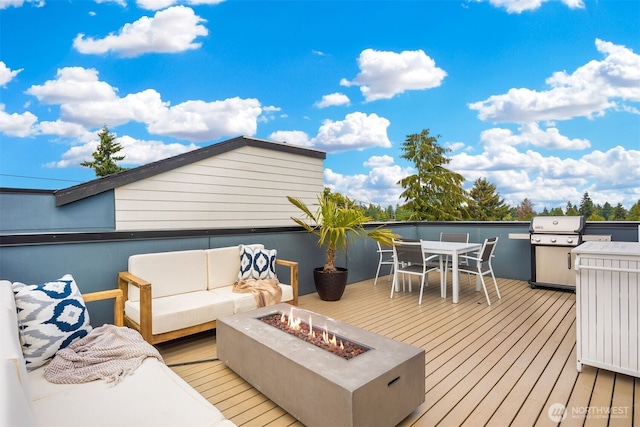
point(497, 365)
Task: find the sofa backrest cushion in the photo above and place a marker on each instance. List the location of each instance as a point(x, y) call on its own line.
point(170, 273)
point(224, 265)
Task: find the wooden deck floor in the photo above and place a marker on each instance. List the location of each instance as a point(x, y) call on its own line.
point(506, 364)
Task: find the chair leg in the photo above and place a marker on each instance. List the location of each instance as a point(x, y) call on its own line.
point(421, 289)
point(495, 284)
point(375, 281)
point(394, 284)
point(484, 286)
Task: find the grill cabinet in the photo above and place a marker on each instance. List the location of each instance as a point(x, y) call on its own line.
point(552, 239)
point(607, 301)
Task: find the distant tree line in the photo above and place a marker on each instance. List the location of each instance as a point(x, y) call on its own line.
point(435, 193)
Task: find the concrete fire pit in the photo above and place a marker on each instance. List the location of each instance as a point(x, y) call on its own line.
point(381, 386)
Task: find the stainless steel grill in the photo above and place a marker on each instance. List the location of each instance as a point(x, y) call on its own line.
point(552, 238)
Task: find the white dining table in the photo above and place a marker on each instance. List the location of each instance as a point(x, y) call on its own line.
point(453, 249)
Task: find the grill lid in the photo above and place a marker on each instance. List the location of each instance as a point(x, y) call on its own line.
point(557, 224)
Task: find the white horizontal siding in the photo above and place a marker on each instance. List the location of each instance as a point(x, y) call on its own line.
point(246, 187)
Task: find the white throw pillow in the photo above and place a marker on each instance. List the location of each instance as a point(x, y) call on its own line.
point(51, 316)
point(257, 263)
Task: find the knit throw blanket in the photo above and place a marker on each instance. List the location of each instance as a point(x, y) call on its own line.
point(265, 291)
point(108, 352)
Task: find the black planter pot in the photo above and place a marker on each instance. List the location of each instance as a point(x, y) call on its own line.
point(330, 286)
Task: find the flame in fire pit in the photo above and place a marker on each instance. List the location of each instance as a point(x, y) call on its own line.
point(318, 337)
point(294, 323)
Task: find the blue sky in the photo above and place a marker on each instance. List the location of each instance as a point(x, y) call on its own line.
point(541, 98)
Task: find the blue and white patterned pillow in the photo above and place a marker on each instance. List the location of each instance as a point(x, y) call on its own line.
point(257, 263)
point(50, 316)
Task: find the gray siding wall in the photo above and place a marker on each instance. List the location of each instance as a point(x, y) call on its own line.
point(33, 212)
point(246, 187)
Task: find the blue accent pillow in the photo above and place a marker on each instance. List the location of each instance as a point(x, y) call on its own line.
point(51, 316)
point(257, 263)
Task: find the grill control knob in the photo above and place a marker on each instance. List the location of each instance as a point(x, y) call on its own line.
point(553, 240)
point(537, 239)
point(569, 240)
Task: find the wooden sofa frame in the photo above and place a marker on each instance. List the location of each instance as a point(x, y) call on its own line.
point(118, 303)
point(145, 327)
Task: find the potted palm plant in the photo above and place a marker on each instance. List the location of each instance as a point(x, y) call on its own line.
point(335, 226)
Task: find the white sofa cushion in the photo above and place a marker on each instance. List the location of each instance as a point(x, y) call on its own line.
point(51, 316)
point(170, 273)
point(182, 311)
point(152, 396)
point(246, 302)
point(15, 391)
point(241, 302)
point(223, 265)
point(15, 405)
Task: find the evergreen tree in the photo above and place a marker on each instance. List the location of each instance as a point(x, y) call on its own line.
point(391, 214)
point(433, 192)
point(586, 205)
point(619, 213)
point(595, 216)
point(571, 210)
point(634, 212)
point(104, 158)
point(486, 204)
point(524, 211)
point(607, 211)
point(556, 212)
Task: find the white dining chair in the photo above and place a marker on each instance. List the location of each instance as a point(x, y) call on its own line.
point(385, 254)
point(480, 265)
point(410, 259)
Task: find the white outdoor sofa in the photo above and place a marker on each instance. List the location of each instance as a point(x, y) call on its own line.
point(173, 294)
point(153, 395)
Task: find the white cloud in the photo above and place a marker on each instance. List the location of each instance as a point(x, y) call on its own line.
point(519, 6)
point(65, 130)
point(531, 134)
point(136, 152)
point(549, 180)
point(122, 3)
point(378, 186)
point(385, 74)
point(168, 31)
point(590, 91)
point(356, 132)
point(4, 4)
point(161, 4)
point(87, 101)
point(14, 124)
point(7, 74)
point(333, 99)
point(202, 121)
point(294, 137)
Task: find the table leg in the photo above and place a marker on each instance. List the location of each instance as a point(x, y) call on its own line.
point(454, 279)
point(443, 284)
